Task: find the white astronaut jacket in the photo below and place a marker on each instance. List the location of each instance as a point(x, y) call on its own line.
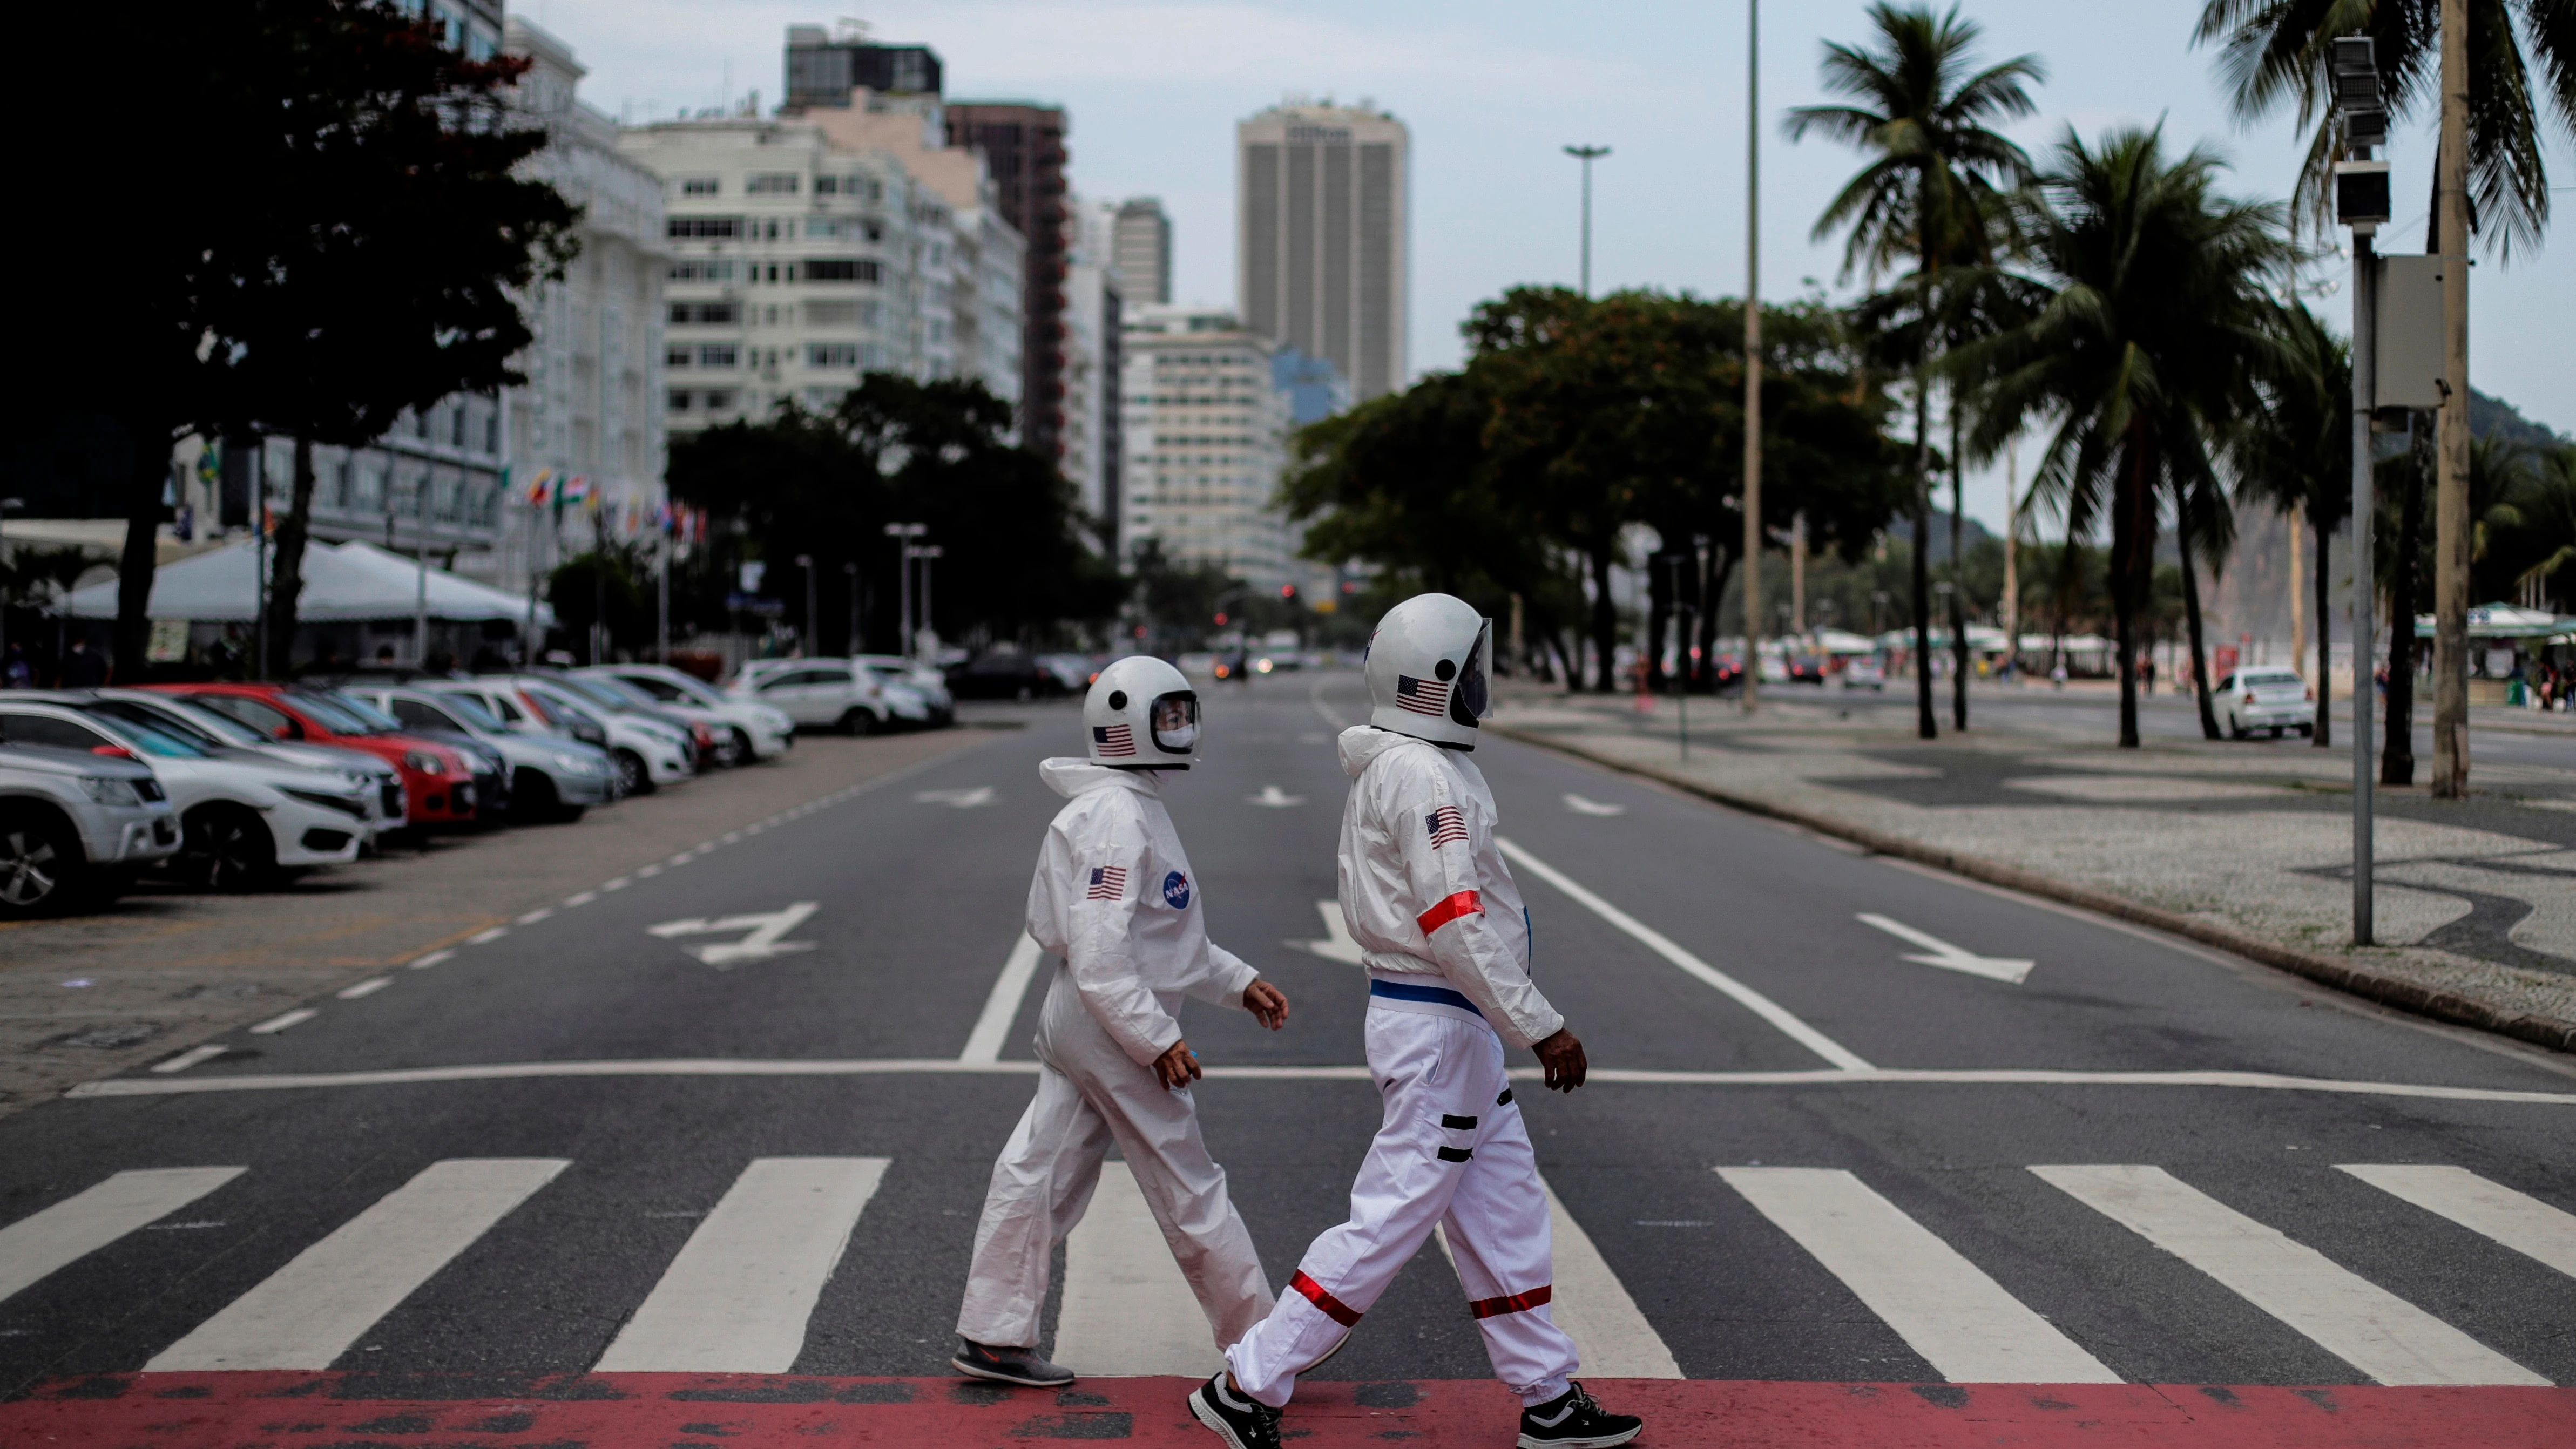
point(1114, 897)
point(1424, 890)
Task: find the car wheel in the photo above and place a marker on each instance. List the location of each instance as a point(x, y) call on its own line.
point(858, 722)
point(2307, 731)
point(632, 777)
point(2276, 732)
point(1025, 692)
point(533, 796)
point(743, 754)
point(228, 849)
point(41, 864)
point(2235, 731)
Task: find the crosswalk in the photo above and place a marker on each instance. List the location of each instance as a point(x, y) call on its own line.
point(740, 1294)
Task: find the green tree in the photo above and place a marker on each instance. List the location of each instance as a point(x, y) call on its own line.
point(1925, 115)
point(2158, 326)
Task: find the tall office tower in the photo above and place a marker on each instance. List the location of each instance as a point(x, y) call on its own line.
point(1143, 251)
point(822, 70)
point(1321, 258)
point(1023, 149)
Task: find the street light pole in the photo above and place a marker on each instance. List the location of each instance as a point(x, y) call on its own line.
point(851, 571)
point(805, 561)
point(1587, 154)
point(904, 534)
point(2362, 203)
point(927, 556)
point(1753, 356)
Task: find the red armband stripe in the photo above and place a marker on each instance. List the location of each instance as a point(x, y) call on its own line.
point(1464, 903)
point(1512, 1303)
point(1334, 1308)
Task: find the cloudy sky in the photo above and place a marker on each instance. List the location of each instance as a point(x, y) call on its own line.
point(1493, 89)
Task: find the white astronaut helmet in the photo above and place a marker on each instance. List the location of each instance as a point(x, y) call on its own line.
point(1141, 714)
point(1428, 667)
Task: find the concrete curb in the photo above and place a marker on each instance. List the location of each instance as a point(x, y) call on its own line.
point(2370, 985)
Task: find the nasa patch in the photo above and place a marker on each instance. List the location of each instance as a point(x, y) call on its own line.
point(1176, 891)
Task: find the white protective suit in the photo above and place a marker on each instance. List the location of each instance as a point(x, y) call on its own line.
point(1114, 899)
point(1446, 942)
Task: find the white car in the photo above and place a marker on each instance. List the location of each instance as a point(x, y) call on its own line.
point(388, 809)
point(74, 829)
point(1863, 674)
point(823, 694)
point(241, 820)
point(2274, 699)
point(550, 779)
point(648, 755)
point(748, 731)
point(923, 679)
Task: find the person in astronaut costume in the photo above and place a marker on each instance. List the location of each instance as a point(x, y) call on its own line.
point(1445, 940)
point(1115, 901)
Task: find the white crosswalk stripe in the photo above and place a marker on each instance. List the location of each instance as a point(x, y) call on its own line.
point(309, 1312)
point(85, 1222)
point(2525, 1224)
point(737, 1298)
point(2375, 1331)
point(1594, 1308)
point(1962, 1322)
point(1127, 1309)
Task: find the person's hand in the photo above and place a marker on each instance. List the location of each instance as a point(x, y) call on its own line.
point(1267, 1004)
point(1179, 1066)
point(1562, 1058)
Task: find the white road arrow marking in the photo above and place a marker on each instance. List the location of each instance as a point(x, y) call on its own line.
point(957, 799)
point(1337, 944)
point(1581, 806)
point(1271, 797)
point(1949, 957)
point(761, 944)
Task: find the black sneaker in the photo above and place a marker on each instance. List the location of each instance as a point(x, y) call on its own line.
point(1241, 1422)
point(1572, 1420)
point(1020, 1366)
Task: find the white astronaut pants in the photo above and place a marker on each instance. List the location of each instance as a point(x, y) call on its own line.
point(1089, 1094)
point(1451, 1151)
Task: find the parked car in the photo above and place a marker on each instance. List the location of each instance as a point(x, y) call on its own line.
point(1004, 673)
point(438, 780)
point(648, 754)
point(190, 721)
point(550, 779)
point(1864, 674)
point(926, 680)
point(491, 769)
point(759, 731)
point(826, 694)
point(242, 821)
point(710, 731)
point(75, 829)
point(2274, 699)
point(607, 697)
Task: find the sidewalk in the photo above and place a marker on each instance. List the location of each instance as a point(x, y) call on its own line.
point(2242, 845)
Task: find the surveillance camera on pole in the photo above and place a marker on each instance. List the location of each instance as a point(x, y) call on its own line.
point(2361, 202)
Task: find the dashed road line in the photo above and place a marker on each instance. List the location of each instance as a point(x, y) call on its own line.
point(368, 987)
point(486, 938)
point(539, 914)
point(432, 959)
point(580, 898)
point(283, 1020)
point(191, 1057)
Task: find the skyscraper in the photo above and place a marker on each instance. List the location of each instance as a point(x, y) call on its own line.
point(1143, 251)
point(1023, 146)
point(822, 71)
point(1320, 221)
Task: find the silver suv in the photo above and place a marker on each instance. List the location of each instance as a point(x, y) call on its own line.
point(75, 829)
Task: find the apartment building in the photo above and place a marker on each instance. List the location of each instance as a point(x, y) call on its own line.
point(1090, 446)
point(1205, 430)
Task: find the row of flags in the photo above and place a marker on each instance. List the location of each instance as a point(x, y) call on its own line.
point(551, 487)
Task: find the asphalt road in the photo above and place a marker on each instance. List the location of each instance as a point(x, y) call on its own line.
point(1784, 1039)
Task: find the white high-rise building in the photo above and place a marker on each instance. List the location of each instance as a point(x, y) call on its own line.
point(1321, 226)
point(1206, 432)
point(1094, 313)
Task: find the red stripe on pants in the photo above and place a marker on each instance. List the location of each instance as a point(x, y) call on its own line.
point(1334, 1308)
point(1462, 904)
point(1514, 1303)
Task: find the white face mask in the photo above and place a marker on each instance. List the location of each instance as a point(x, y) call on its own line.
point(1174, 720)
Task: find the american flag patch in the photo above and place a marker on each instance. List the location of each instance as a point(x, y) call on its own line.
point(1108, 883)
point(1422, 696)
point(1114, 739)
point(1447, 826)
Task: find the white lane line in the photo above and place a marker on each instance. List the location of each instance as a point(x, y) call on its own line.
point(2525, 1224)
point(1337, 944)
point(942, 1066)
point(283, 1020)
point(1590, 1303)
point(1128, 1312)
point(2365, 1325)
point(486, 938)
point(648, 872)
point(580, 898)
point(1962, 1322)
point(432, 959)
point(619, 884)
point(79, 1225)
point(1581, 806)
point(1002, 1006)
point(737, 1297)
point(309, 1312)
point(369, 987)
point(1655, 941)
point(539, 914)
point(191, 1057)
point(1937, 952)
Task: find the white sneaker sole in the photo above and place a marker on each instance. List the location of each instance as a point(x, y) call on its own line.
point(997, 1376)
point(1603, 1441)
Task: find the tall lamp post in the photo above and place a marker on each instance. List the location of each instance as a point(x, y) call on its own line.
point(851, 572)
point(928, 555)
point(1752, 355)
point(904, 534)
point(805, 561)
point(1587, 155)
point(2362, 203)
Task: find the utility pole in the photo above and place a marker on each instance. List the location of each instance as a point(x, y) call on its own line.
point(662, 602)
point(805, 561)
point(904, 534)
point(927, 556)
point(1587, 155)
point(1753, 356)
point(2362, 203)
point(2012, 542)
point(2451, 493)
point(851, 572)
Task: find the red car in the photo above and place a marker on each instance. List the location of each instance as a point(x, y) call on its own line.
point(437, 779)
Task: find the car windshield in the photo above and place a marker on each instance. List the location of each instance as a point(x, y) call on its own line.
point(695, 690)
point(592, 690)
point(625, 691)
point(214, 722)
point(144, 716)
point(328, 711)
point(373, 716)
point(148, 739)
point(469, 709)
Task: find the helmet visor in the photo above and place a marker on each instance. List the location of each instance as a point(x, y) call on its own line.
point(1471, 700)
point(1174, 720)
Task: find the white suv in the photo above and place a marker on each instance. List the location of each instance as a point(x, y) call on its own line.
point(74, 829)
point(819, 693)
point(758, 731)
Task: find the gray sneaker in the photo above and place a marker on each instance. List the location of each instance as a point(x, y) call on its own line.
point(1004, 1365)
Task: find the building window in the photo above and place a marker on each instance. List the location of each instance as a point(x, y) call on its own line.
point(772, 183)
point(678, 400)
point(703, 228)
point(831, 354)
point(718, 354)
point(700, 186)
point(706, 269)
point(721, 400)
point(720, 314)
point(840, 269)
point(677, 356)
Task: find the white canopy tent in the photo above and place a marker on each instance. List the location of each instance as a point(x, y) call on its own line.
point(342, 583)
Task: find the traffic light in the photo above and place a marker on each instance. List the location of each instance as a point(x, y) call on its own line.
point(1288, 592)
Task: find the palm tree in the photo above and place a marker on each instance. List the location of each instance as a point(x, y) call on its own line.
point(2296, 453)
point(2147, 352)
point(1925, 115)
